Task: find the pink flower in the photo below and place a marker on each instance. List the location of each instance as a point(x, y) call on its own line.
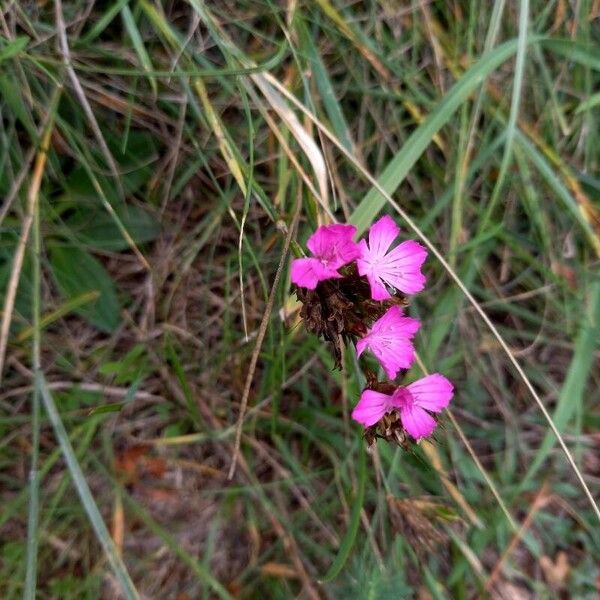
point(389, 339)
point(432, 393)
point(399, 268)
point(332, 247)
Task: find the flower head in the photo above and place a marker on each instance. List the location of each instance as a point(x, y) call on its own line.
point(331, 247)
point(414, 403)
point(389, 339)
point(399, 268)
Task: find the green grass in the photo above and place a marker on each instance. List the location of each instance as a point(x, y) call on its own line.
point(152, 156)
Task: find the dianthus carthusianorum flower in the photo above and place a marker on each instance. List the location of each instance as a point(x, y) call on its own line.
point(399, 268)
point(389, 339)
point(354, 293)
point(332, 247)
point(414, 403)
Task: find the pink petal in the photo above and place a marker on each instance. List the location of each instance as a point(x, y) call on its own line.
point(433, 392)
point(381, 235)
point(371, 407)
point(333, 245)
point(389, 339)
point(361, 346)
point(378, 290)
point(393, 321)
point(416, 421)
point(364, 264)
point(401, 268)
point(307, 272)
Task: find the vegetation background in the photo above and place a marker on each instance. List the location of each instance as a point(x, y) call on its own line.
point(154, 157)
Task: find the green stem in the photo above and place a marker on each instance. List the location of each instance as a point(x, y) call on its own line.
point(34, 476)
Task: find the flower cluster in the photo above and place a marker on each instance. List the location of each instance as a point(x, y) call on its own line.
point(355, 292)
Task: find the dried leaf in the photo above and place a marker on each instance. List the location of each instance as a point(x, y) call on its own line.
point(126, 463)
point(556, 573)
point(275, 569)
point(118, 525)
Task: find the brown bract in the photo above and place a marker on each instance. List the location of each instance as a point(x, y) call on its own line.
point(416, 520)
point(389, 428)
point(341, 310)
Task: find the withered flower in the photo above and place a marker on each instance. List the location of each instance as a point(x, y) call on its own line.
point(415, 519)
point(339, 309)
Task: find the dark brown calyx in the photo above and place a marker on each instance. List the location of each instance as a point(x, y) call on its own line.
point(341, 310)
point(389, 428)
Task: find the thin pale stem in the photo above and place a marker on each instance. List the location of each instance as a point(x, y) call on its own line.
point(260, 338)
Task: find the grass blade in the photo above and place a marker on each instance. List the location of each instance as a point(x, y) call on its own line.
point(572, 393)
point(138, 44)
point(64, 309)
point(326, 90)
point(13, 47)
point(84, 492)
point(103, 23)
point(34, 503)
point(348, 541)
point(574, 51)
point(514, 113)
point(415, 145)
point(201, 572)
